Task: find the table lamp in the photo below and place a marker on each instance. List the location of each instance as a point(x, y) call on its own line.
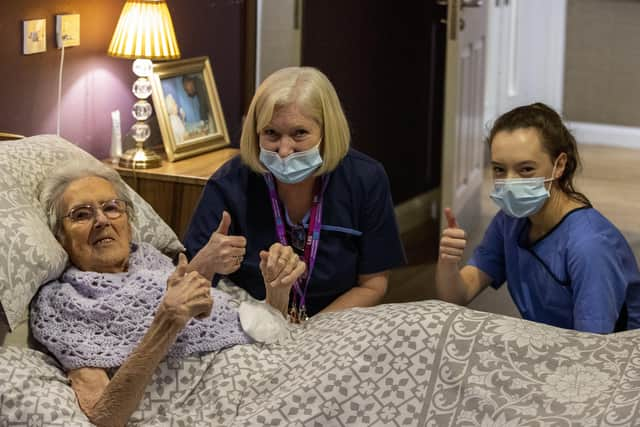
point(144, 33)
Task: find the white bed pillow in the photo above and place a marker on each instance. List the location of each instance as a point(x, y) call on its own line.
point(29, 253)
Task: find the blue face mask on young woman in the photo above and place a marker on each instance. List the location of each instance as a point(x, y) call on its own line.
point(294, 168)
point(521, 197)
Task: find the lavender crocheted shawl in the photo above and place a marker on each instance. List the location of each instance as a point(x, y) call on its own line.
point(98, 319)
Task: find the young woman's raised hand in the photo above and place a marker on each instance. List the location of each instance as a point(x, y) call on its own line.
point(453, 240)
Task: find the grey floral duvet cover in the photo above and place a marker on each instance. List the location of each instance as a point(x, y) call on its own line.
point(416, 364)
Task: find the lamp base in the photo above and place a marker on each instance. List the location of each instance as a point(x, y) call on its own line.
point(140, 158)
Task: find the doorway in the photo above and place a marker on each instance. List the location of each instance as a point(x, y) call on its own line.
point(525, 61)
point(279, 35)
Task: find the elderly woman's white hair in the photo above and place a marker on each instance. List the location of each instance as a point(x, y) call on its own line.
point(53, 187)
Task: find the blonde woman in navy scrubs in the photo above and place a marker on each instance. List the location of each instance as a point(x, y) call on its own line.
point(298, 191)
point(564, 263)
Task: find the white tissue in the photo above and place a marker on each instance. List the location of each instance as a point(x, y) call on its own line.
point(263, 323)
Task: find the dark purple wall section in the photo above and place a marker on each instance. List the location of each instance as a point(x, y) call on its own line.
point(216, 28)
point(95, 84)
point(386, 59)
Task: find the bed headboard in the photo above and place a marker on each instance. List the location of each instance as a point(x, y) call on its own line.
point(6, 136)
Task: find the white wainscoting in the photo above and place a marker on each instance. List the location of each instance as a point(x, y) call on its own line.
point(603, 134)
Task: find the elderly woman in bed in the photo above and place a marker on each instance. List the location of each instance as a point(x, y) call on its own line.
point(121, 307)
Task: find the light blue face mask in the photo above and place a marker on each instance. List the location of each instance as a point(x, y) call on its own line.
point(294, 168)
point(521, 197)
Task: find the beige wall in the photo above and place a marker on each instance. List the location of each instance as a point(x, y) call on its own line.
point(602, 63)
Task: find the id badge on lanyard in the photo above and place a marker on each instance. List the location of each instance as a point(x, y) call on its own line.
point(298, 310)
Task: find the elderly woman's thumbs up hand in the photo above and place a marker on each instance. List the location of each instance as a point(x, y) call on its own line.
point(188, 295)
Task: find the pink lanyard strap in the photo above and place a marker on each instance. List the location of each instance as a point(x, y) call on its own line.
point(299, 311)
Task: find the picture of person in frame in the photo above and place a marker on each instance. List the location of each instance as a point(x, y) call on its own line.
point(192, 106)
point(193, 99)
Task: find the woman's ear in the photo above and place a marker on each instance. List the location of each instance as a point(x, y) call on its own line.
point(561, 163)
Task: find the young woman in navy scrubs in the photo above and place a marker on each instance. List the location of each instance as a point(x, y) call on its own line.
point(299, 217)
point(565, 264)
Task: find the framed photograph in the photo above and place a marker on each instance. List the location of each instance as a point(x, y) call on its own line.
point(185, 99)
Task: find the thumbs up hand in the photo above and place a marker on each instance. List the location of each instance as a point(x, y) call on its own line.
point(179, 272)
point(225, 223)
point(453, 240)
point(225, 252)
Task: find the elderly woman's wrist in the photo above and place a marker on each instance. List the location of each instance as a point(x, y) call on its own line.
point(169, 319)
point(278, 299)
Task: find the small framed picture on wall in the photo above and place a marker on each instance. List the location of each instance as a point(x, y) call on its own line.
point(188, 109)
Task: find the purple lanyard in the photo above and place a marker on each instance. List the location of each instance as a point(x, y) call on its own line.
point(298, 311)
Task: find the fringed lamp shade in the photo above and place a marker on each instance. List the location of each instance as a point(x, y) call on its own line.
point(144, 30)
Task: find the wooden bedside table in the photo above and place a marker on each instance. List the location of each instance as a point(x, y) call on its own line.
point(173, 189)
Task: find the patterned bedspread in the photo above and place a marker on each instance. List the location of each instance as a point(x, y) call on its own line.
point(417, 364)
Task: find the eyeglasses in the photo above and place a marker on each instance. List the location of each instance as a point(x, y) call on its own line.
point(112, 209)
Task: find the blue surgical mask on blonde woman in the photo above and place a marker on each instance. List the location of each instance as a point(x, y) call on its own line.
point(290, 145)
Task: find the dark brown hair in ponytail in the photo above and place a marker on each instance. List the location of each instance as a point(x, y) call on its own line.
point(556, 139)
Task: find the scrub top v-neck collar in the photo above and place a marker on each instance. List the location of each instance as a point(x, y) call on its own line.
point(523, 239)
point(523, 243)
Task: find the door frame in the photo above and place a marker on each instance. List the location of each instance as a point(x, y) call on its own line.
point(461, 153)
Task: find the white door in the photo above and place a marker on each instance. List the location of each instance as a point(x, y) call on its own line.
point(525, 62)
point(278, 36)
point(463, 136)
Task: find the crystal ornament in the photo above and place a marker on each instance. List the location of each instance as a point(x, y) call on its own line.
point(142, 67)
point(142, 88)
point(141, 131)
point(141, 110)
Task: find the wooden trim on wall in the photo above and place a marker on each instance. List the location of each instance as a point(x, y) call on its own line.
point(250, 16)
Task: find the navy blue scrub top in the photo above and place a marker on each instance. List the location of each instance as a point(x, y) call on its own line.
point(359, 231)
point(581, 275)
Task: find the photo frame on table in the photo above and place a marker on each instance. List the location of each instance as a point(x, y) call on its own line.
point(186, 102)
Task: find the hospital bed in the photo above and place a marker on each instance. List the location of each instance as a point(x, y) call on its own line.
point(419, 364)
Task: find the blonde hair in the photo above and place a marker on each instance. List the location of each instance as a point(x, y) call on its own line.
point(311, 91)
